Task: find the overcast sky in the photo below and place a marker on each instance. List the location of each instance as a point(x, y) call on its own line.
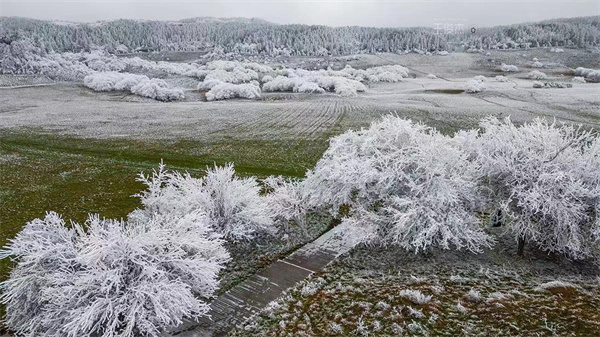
point(334, 13)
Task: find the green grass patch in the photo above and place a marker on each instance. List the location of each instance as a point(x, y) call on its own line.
point(42, 172)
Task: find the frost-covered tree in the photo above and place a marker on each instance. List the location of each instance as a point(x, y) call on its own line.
point(287, 202)
point(545, 180)
point(234, 205)
point(405, 182)
point(111, 278)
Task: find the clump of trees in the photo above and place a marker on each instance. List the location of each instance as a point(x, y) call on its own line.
point(258, 37)
point(109, 277)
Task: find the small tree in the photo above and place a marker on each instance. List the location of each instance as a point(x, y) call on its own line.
point(234, 205)
point(545, 180)
point(406, 182)
point(108, 277)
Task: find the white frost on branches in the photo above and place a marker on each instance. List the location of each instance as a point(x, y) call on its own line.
point(222, 91)
point(136, 84)
point(111, 278)
point(590, 75)
point(234, 205)
point(406, 183)
point(475, 85)
point(546, 180)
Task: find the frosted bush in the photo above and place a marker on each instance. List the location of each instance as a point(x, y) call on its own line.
point(234, 205)
point(537, 75)
point(556, 285)
point(415, 296)
point(545, 178)
point(538, 84)
point(406, 183)
point(266, 78)
point(475, 86)
point(590, 75)
point(479, 78)
point(537, 64)
point(227, 90)
point(557, 50)
point(578, 79)
point(309, 87)
point(501, 78)
point(108, 277)
point(136, 84)
point(508, 68)
point(286, 202)
point(431, 76)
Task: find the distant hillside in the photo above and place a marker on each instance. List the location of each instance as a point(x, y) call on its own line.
point(256, 36)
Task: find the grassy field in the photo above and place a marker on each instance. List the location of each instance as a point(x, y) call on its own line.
point(75, 177)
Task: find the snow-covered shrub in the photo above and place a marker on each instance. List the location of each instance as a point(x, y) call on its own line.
point(591, 75)
point(501, 78)
point(286, 201)
point(308, 88)
point(266, 78)
point(557, 50)
point(538, 84)
point(537, 64)
point(578, 79)
point(111, 278)
point(475, 86)
point(136, 84)
point(227, 90)
point(479, 78)
point(406, 183)
point(508, 68)
point(234, 205)
point(545, 179)
point(537, 75)
point(431, 76)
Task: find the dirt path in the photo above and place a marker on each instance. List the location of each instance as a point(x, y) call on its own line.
point(256, 292)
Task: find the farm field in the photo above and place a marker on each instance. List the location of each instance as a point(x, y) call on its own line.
point(66, 148)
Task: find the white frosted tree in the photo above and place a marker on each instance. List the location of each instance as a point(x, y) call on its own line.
point(406, 183)
point(111, 278)
point(234, 205)
point(545, 178)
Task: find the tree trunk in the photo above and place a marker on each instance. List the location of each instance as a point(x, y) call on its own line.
point(521, 246)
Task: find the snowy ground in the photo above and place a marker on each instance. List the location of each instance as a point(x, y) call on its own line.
point(75, 110)
point(374, 291)
point(45, 165)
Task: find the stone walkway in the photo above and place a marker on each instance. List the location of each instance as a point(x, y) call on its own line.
point(254, 293)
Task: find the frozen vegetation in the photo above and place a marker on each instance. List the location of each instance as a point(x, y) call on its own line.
point(508, 68)
point(136, 84)
point(475, 85)
point(397, 184)
point(230, 36)
point(590, 75)
point(537, 75)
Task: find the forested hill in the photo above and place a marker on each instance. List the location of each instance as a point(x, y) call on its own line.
point(256, 36)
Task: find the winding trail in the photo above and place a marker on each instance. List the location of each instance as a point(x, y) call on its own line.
point(256, 292)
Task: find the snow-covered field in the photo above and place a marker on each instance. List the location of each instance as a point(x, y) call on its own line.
point(70, 108)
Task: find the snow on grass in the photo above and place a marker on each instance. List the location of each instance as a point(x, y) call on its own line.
point(578, 79)
point(431, 76)
point(473, 296)
point(557, 284)
point(501, 78)
point(136, 84)
point(537, 64)
point(415, 296)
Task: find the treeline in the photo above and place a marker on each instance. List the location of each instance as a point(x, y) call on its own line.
point(255, 36)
